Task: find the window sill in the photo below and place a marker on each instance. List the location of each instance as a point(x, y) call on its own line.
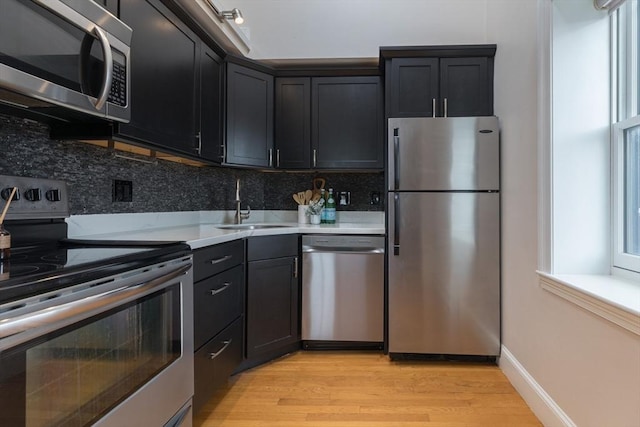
point(613, 298)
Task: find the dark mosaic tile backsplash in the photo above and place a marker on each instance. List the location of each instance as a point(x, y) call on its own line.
point(26, 150)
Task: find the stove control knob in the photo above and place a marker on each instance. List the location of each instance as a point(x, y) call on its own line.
point(52, 195)
point(6, 192)
point(33, 194)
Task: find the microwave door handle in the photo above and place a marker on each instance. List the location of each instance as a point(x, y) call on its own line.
point(108, 68)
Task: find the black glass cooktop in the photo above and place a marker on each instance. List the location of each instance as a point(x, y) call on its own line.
point(38, 269)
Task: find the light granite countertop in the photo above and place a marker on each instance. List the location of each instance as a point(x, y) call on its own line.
point(200, 229)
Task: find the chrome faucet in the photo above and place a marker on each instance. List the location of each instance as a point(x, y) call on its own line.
point(239, 216)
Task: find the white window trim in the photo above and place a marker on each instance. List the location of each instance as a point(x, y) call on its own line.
point(614, 298)
point(621, 260)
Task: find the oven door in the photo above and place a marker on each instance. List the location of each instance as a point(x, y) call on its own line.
point(55, 52)
point(117, 352)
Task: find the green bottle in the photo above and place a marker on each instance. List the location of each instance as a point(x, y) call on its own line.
point(330, 208)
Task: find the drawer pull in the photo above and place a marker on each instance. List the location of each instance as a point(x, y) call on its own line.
point(217, 353)
point(222, 259)
point(217, 291)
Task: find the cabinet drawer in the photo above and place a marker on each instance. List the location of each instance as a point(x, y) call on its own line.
point(214, 363)
point(217, 301)
point(268, 247)
point(213, 260)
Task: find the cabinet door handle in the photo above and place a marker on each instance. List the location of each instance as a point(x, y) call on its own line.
point(199, 139)
point(433, 107)
point(278, 158)
point(315, 157)
point(217, 291)
point(446, 108)
point(221, 259)
point(224, 152)
point(295, 268)
point(270, 157)
point(224, 347)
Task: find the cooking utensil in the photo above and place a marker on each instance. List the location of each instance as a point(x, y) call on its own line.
point(307, 196)
point(6, 206)
point(318, 184)
point(297, 199)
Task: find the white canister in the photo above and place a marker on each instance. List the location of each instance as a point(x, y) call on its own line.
point(303, 216)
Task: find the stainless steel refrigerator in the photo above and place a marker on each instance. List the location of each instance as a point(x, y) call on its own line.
point(443, 182)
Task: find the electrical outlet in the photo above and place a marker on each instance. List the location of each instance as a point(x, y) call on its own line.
point(374, 197)
point(344, 198)
point(122, 191)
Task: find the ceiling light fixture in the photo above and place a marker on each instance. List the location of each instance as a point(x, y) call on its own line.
point(233, 14)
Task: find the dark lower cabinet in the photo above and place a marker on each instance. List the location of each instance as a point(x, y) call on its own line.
point(219, 300)
point(218, 316)
point(214, 362)
point(273, 298)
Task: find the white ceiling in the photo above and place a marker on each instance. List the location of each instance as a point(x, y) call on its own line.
point(303, 29)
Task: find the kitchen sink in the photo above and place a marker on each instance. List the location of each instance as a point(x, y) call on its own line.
point(251, 226)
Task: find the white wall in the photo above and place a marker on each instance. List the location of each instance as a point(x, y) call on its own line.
point(294, 29)
point(581, 192)
point(587, 365)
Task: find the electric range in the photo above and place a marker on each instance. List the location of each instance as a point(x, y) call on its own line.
point(43, 259)
point(90, 331)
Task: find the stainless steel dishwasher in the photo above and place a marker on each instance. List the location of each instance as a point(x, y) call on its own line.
point(342, 291)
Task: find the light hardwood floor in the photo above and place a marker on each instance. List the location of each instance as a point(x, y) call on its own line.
point(355, 389)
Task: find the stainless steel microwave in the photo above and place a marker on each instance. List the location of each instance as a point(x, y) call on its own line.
point(63, 56)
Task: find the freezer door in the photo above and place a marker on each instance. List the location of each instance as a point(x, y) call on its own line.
point(441, 154)
point(444, 273)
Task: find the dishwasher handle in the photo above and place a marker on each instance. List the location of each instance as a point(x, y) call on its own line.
point(333, 249)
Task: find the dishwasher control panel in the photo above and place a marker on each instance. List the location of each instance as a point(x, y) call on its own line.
point(342, 242)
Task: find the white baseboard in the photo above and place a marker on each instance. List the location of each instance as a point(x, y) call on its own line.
point(545, 408)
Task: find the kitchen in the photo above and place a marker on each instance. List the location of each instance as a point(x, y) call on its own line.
point(574, 343)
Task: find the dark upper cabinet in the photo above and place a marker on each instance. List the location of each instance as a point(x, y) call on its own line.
point(329, 122)
point(176, 93)
point(347, 122)
point(439, 81)
point(466, 87)
point(293, 122)
point(413, 88)
point(210, 143)
point(164, 60)
point(249, 118)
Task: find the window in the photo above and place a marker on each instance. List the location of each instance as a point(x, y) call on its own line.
point(626, 137)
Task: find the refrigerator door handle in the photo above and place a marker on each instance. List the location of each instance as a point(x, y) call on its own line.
point(396, 159)
point(396, 225)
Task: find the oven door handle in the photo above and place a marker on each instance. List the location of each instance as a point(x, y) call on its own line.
point(34, 324)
